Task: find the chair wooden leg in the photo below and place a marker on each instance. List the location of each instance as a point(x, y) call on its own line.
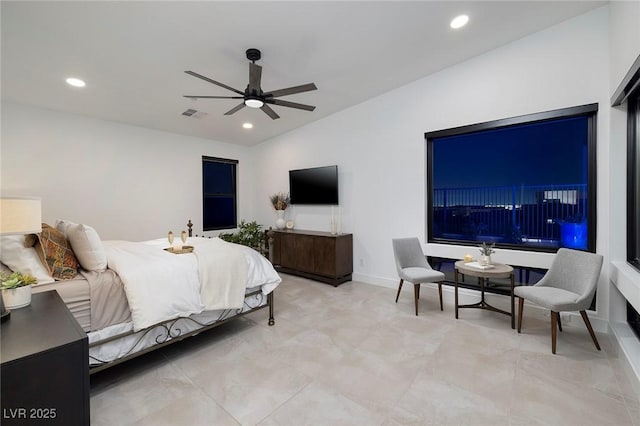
point(554, 331)
point(416, 293)
point(399, 288)
point(440, 294)
point(588, 324)
point(520, 309)
point(559, 322)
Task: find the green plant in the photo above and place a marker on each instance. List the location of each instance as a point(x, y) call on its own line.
point(15, 280)
point(486, 249)
point(280, 201)
point(249, 234)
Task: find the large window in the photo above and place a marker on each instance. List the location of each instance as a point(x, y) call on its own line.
point(633, 180)
point(219, 193)
point(526, 182)
point(629, 91)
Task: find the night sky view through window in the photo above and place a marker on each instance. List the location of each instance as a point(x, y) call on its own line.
point(525, 184)
point(544, 153)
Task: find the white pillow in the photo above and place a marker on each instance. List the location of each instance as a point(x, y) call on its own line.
point(23, 259)
point(63, 226)
point(87, 247)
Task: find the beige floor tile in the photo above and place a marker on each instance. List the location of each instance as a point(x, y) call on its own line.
point(250, 390)
point(131, 392)
point(317, 404)
point(194, 408)
point(370, 379)
point(558, 402)
point(350, 355)
point(431, 401)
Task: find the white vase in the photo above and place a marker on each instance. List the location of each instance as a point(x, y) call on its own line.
point(17, 297)
point(485, 260)
point(280, 222)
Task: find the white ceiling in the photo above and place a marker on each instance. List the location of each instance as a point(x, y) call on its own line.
point(133, 54)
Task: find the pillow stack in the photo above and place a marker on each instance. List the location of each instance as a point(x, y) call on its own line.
point(87, 246)
point(55, 253)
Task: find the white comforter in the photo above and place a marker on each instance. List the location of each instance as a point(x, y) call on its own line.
point(160, 285)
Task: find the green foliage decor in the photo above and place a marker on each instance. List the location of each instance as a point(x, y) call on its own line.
point(15, 280)
point(249, 234)
point(486, 249)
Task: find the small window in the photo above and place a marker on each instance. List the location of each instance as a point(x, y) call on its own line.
point(219, 207)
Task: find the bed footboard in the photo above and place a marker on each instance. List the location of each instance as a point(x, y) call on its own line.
point(133, 344)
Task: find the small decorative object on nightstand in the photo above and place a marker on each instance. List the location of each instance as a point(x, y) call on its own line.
point(16, 289)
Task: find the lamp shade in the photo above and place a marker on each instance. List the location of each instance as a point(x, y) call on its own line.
point(20, 216)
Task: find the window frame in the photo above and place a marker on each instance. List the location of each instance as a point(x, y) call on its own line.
point(589, 111)
point(233, 194)
point(633, 175)
point(629, 91)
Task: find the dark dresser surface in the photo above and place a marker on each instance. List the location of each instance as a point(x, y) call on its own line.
point(44, 365)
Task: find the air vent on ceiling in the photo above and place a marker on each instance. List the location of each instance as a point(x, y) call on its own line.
point(193, 113)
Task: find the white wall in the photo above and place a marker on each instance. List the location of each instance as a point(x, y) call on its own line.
point(380, 149)
point(127, 182)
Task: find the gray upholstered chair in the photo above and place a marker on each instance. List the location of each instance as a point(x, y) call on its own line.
point(412, 266)
point(569, 285)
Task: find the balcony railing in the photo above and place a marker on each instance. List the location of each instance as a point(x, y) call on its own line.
point(550, 215)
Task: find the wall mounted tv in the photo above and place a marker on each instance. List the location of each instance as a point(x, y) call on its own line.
point(315, 186)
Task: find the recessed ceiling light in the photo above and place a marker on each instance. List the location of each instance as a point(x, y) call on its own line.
point(247, 126)
point(75, 82)
point(459, 21)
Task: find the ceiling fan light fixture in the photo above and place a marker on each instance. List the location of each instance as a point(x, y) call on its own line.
point(253, 103)
point(247, 125)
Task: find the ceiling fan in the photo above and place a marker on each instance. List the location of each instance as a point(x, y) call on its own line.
point(253, 96)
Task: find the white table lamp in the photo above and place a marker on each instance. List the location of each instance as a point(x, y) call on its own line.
point(19, 216)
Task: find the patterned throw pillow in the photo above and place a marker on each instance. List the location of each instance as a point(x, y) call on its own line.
point(56, 254)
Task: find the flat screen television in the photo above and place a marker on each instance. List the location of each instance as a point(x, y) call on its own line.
point(316, 186)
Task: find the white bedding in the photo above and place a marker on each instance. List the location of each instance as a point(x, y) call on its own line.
point(162, 286)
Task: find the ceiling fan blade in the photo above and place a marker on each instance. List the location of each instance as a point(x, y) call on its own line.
point(271, 113)
point(235, 109)
point(214, 82)
point(255, 74)
point(296, 105)
point(213, 97)
point(291, 90)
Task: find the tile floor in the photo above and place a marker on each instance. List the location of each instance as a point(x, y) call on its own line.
point(351, 356)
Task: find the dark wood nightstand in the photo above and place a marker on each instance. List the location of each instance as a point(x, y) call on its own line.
point(45, 365)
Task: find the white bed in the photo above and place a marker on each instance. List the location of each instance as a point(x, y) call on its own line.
point(147, 297)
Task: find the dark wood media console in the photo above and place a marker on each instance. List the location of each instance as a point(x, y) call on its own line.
point(320, 256)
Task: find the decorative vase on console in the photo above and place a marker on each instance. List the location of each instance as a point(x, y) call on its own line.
point(280, 222)
point(280, 202)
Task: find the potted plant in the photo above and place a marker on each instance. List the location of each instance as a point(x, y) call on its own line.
point(486, 250)
point(249, 234)
point(280, 201)
point(16, 289)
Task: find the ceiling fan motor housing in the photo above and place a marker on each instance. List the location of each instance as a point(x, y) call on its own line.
point(253, 55)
